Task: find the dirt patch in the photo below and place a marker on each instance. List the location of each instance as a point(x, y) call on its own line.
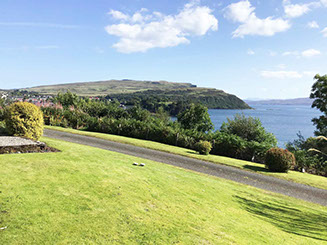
point(37, 148)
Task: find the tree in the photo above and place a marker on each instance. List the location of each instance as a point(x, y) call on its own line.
point(195, 117)
point(137, 113)
point(67, 99)
point(324, 151)
point(319, 94)
point(162, 115)
point(248, 128)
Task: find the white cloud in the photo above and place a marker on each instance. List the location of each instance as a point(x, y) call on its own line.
point(137, 17)
point(281, 74)
point(297, 10)
point(239, 12)
point(118, 15)
point(243, 12)
point(310, 53)
point(250, 52)
point(306, 53)
point(288, 53)
point(324, 32)
point(141, 32)
point(313, 25)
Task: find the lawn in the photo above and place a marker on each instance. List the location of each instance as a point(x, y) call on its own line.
point(85, 195)
point(302, 178)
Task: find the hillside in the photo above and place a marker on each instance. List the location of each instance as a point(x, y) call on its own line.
point(102, 88)
point(160, 91)
point(212, 98)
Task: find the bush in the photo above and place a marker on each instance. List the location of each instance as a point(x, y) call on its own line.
point(25, 120)
point(3, 130)
point(228, 145)
point(203, 147)
point(2, 114)
point(311, 161)
point(249, 129)
point(195, 117)
point(279, 160)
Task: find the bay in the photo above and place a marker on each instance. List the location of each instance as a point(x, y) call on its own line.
point(284, 121)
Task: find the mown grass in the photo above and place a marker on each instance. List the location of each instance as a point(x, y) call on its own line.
point(85, 195)
point(302, 178)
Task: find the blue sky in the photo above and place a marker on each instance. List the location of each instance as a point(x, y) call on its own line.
point(254, 49)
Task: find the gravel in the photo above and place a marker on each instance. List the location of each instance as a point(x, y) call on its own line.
point(6, 141)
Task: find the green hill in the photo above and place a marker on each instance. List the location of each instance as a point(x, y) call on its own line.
point(102, 88)
point(211, 98)
point(130, 91)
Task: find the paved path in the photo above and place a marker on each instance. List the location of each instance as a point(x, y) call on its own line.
point(269, 183)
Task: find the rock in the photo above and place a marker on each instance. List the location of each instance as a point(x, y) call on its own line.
point(135, 163)
point(142, 164)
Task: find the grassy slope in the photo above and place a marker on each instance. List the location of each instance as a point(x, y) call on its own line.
point(211, 98)
point(303, 178)
point(89, 195)
point(147, 88)
point(108, 87)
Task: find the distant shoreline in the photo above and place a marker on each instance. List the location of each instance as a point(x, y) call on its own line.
point(297, 101)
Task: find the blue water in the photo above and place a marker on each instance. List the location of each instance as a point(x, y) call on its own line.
point(284, 121)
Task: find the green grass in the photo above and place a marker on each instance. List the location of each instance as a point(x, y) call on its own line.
point(302, 178)
point(85, 195)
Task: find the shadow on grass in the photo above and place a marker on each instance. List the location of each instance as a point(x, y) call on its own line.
point(256, 168)
point(292, 220)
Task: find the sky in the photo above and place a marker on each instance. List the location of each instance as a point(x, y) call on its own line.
point(250, 48)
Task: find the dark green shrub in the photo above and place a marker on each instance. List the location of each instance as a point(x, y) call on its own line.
point(255, 151)
point(25, 120)
point(2, 114)
point(249, 129)
point(76, 119)
point(311, 161)
point(228, 145)
point(279, 160)
point(195, 117)
point(203, 147)
point(3, 130)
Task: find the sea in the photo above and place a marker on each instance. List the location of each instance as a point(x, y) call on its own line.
point(284, 121)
